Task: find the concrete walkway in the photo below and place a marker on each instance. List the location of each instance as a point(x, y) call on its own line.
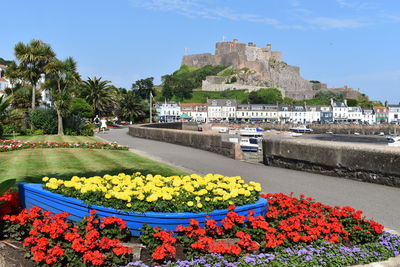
point(381, 203)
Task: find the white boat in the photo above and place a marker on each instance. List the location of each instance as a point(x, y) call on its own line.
point(253, 132)
point(301, 129)
point(249, 144)
point(394, 140)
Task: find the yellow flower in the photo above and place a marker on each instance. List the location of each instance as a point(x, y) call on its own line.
point(45, 179)
point(199, 205)
point(108, 196)
point(129, 205)
point(190, 203)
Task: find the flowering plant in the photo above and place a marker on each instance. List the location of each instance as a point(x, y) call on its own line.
point(10, 145)
point(53, 240)
point(140, 193)
point(289, 221)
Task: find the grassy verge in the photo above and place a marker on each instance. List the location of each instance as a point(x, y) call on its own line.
point(31, 165)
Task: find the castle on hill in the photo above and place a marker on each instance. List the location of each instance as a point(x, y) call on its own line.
point(252, 68)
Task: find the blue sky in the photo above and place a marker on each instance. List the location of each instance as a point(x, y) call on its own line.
point(341, 42)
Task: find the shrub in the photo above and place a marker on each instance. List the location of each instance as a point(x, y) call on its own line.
point(79, 106)
point(69, 131)
point(26, 132)
point(87, 132)
point(11, 129)
point(1, 130)
point(38, 132)
point(75, 123)
point(44, 119)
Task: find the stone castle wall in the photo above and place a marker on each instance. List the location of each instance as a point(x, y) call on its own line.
point(269, 69)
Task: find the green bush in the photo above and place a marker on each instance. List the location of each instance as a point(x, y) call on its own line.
point(74, 123)
point(38, 132)
point(80, 107)
point(69, 131)
point(26, 132)
point(44, 119)
point(87, 132)
point(10, 129)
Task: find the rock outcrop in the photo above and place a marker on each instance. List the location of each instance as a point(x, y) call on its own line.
point(254, 68)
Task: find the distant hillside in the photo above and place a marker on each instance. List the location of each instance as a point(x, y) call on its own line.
point(5, 62)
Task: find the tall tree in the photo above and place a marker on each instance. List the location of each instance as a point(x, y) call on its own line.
point(130, 106)
point(100, 94)
point(144, 87)
point(61, 75)
point(33, 58)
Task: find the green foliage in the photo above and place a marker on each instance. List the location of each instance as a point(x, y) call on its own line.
point(265, 96)
point(44, 119)
point(75, 124)
point(228, 72)
point(328, 94)
point(5, 62)
point(10, 129)
point(131, 107)
point(181, 83)
point(79, 106)
point(201, 96)
point(99, 94)
point(144, 87)
point(5, 185)
point(38, 132)
point(313, 81)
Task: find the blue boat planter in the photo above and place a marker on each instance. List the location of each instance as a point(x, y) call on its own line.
point(34, 195)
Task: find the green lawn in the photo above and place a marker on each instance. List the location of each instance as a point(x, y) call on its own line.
point(55, 138)
point(31, 165)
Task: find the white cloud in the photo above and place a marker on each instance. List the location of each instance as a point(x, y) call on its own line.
point(303, 18)
point(328, 23)
point(357, 4)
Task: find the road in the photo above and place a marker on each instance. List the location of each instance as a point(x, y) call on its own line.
point(381, 203)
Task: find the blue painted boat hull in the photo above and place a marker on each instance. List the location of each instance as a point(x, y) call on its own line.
point(34, 195)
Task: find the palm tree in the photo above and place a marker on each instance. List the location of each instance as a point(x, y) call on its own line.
point(4, 104)
point(100, 94)
point(33, 58)
point(130, 106)
point(61, 75)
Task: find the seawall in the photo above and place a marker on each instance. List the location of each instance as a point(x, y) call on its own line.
point(186, 134)
point(362, 162)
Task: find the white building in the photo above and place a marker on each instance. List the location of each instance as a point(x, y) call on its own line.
point(340, 111)
point(196, 111)
point(221, 109)
point(354, 114)
point(4, 83)
point(299, 114)
point(313, 114)
point(257, 112)
point(394, 113)
point(285, 113)
point(168, 111)
point(369, 116)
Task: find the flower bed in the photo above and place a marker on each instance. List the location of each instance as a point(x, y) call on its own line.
point(34, 195)
point(10, 145)
point(312, 234)
point(156, 193)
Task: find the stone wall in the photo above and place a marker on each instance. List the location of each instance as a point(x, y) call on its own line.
point(200, 140)
point(360, 162)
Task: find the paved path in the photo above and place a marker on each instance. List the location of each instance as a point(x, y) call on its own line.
point(379, 202)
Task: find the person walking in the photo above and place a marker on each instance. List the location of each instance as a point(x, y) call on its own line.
point(103, 126)
point(97, 123)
